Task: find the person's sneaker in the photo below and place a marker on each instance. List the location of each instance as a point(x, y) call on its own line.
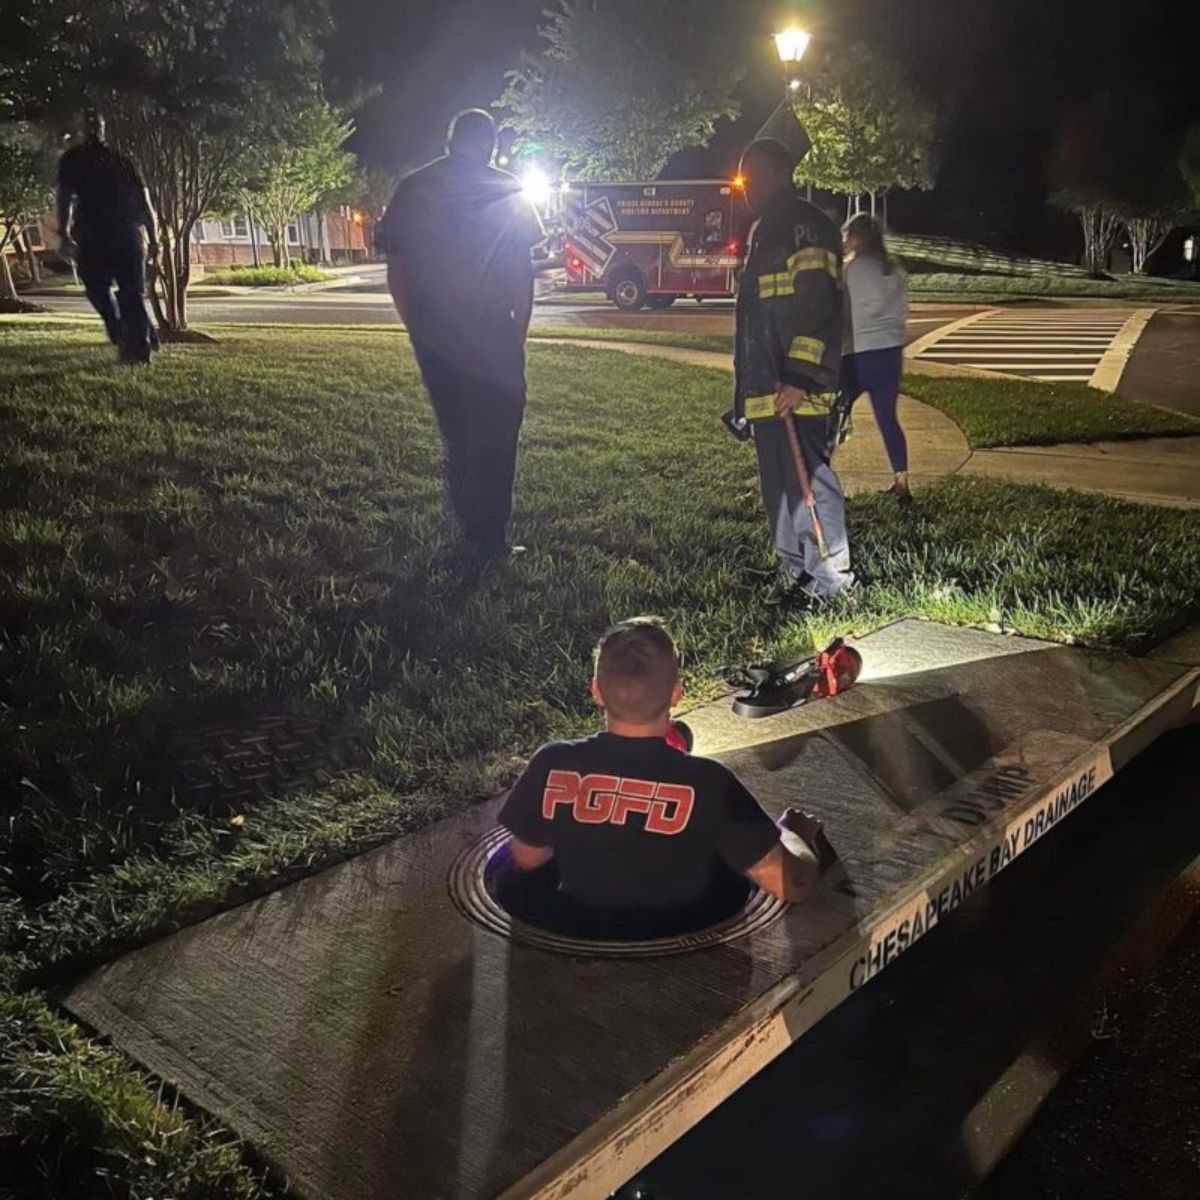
point(481, 554)
point(136, 356)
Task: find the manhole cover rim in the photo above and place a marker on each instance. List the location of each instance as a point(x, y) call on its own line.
point(473, 901)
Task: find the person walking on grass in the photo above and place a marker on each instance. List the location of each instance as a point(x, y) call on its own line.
point(107, 228)
point(878, 292)
point(457, 236)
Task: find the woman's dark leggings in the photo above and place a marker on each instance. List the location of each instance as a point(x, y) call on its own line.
point(877, 372)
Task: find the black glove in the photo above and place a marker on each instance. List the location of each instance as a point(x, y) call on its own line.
point(738, 426)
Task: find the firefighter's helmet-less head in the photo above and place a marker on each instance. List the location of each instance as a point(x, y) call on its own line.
point(472, 137)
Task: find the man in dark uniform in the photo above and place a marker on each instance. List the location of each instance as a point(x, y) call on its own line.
point(103, 211)
point(457, 236)
point(787, 359)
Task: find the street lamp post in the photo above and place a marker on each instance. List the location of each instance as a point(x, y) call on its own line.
point(790, 45)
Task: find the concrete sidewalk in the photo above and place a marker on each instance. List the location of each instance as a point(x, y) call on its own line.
point(1163, 471)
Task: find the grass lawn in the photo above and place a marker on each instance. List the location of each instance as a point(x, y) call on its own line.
point(717, 343)
point(1018, 412)
point(984, 289)
point(255, 530)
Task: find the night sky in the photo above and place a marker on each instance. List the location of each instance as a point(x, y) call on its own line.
point(1001, 72)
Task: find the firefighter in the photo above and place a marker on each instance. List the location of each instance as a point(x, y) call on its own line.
point(787, 359)
point(103, 214)
point(457, 236)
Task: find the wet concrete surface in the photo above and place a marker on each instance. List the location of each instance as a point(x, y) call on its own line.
point(875, 1102)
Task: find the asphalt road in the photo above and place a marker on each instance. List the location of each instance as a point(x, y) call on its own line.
point(363, 306)
point(1164, 368)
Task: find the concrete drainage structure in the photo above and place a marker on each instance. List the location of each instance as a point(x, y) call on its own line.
point(471, 883)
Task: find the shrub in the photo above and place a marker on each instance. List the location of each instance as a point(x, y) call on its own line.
point(267, 276)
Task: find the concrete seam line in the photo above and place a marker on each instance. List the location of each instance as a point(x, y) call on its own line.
point(603, 1157)
point(1107, 374)
point(932, 338)
point(994, 1126)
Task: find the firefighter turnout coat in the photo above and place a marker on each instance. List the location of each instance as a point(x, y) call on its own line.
point(789, 310)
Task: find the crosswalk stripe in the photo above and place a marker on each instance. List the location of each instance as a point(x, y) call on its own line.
point(1076, 347)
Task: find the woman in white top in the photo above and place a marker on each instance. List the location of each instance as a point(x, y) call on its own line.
point(878, 293)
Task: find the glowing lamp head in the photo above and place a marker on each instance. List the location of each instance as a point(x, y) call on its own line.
point(791, 44)
point(739, 181)
point(536, 186)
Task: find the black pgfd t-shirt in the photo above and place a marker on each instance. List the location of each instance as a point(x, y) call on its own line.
point(638, 827)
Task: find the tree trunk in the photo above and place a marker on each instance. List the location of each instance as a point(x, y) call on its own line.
point(872, 195)
point(322, 239)
point(31, 259)
point(10, 288)
point(175, 271)
point(1146, 234)
point(278, 240)
point(849, 207)
point(1099, 232)
point(883, 208)
point(255, 250)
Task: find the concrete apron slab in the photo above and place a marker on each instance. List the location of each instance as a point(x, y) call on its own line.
point(371, 1042)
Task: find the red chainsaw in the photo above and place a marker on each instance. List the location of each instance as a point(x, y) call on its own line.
point(775, 689)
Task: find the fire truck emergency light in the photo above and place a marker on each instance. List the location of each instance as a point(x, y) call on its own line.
point(536, 186)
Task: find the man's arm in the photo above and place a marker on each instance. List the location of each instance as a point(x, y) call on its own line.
point(530, 232)
point(521, 815)
point(396, 285)
point(523, 297)
point(63, 197)
point(528, 858)
point(789, 871)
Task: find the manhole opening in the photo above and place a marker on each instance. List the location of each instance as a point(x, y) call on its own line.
point(528, 908)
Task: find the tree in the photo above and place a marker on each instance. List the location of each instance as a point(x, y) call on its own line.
point(24, 188)
point(1116, 163)
point(187, 87)
point(298, 161)
point(870, 130)
point(1189, 163)
point(369, 191)
point(617, 88)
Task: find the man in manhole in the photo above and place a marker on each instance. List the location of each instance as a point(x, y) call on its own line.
point(647, 841)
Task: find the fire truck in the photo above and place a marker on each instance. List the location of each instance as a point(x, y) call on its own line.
point(650, 243)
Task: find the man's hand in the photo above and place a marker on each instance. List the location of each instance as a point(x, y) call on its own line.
point(812, 833)
point(788, 398)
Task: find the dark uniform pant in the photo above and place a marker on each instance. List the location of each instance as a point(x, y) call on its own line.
point(119, 262)
point(787, 512)
point(480, 422)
